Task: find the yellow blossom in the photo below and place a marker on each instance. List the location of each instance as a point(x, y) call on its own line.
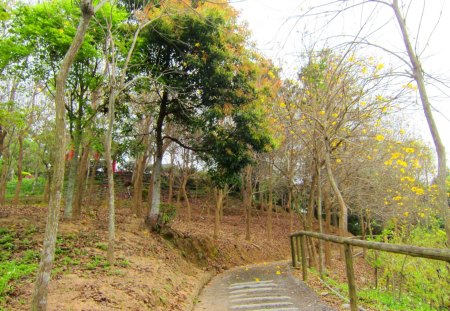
point(409, 150)
point(379, 137)
point(379, 66)
point(417, 190)
point(406, 214)
point(402, 132)
point(396, 155)
point(338, 160)
point(335, 115)
point(397, 198)
point(322, 112)
point(402, 163)
point(379, 98)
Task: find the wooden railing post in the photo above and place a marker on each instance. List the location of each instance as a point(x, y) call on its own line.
point(298, 254)
point(350, 277)
point(303, 252)
point(294, 261)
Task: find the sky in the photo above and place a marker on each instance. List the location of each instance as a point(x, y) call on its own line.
point(281, 32)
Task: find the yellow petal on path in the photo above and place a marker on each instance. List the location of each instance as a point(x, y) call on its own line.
point(278, 272)
point(256, 279)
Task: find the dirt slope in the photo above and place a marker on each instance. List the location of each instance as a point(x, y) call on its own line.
point(151, 272)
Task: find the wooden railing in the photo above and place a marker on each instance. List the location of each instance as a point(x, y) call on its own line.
point(298, 245)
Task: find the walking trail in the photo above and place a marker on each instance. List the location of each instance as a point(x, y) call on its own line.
point(259, 287)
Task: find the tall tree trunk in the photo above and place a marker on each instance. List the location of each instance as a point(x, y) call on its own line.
point(248, 193)
point(138, 183)
point(80, 182)
point(418, 75)
point(310, 211)
point(185, 196)
point(327, 203)
point(39, 301)
point(343, 216)
point(4, 175)
point(319, 217)
point(114, 91)
point(71, 179)
point(152, 219)
point(343, 213)
point(270, 199)
point(291, 210)
point(219, 202)
point(19, 171)
point(171, 178)
point(110, 172)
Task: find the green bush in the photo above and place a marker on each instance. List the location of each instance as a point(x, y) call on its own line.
point(416, 283)
point(167, 213)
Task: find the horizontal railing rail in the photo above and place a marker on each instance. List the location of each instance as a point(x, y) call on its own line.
point(298, 244)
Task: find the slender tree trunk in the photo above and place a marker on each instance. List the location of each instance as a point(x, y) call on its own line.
point(219, 201)
point(71, 180)
point(343, 215)
point(270, 199)
point(310, 211)
point(80, 182)
point(152, 219)
point(138, 184)
point(153, 215)
point(110, 172)
point(185, 196)
point(418, 75)
point(247, 183)
point(4, 175)
point(319, 217)
point(19, 171)
point(171, 178)
point(291, 210)
point(327, 203)
point(48, 182)
point(39, 301)
point(114, 91)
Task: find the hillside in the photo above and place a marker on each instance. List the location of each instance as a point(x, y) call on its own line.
point(151, 272)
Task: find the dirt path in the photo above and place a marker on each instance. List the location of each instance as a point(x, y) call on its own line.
point(258, 288)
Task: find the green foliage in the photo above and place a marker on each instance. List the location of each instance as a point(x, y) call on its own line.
point(97, 261)
point(13, 270)
point(421, 282)
point(167, 213)
point(102, 246)
point(384, 301)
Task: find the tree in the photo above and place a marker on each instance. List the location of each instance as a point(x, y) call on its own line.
point(39, 301)
point(411, 62)
point(202, 76)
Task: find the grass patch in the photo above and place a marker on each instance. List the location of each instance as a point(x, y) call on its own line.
point(13, 270)
point(384, 301)
point(27, 187)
